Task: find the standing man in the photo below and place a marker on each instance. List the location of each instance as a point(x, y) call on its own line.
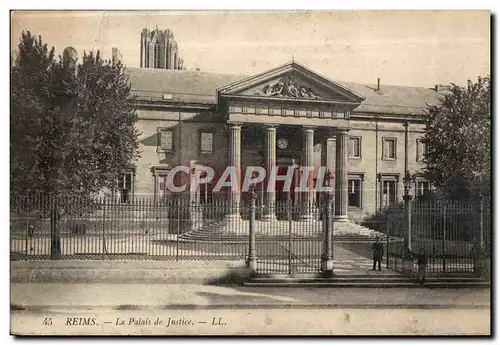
point(378, 254)
point(422, 265)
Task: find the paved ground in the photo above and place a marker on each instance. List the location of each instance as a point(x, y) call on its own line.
point(186, 296)
point(195, 271)
point(52, 308)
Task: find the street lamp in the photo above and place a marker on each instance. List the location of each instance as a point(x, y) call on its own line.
point(407, 180)
point(327, 257)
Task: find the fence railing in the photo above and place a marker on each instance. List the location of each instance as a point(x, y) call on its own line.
point(450, 232)
point(103, 228)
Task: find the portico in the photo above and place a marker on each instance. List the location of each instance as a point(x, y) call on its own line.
point(280, 105)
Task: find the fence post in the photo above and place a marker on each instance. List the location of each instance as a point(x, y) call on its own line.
point(27, 234)
point(55, 238)
point(178, 207)
point(443, 251)
point(103, 228)
point(252, 257)
point(387, 239)
point(290, 258)
point(327, 258)
point(481, 221)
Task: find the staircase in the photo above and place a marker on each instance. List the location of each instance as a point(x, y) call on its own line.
point(217, 232)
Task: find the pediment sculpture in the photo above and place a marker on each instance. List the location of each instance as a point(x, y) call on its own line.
point(287, 87)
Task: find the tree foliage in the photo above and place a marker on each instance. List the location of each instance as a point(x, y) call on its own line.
point(72, 132)
point(458, 159)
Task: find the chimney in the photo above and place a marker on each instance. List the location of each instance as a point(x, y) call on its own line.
point(378, 84)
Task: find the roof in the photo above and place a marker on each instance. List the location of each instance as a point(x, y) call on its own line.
point(201, 87)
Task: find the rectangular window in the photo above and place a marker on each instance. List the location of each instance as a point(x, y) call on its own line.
point(206, 142)
point(389, 148)
point(389, 195)
point(354, 147)
point(162, 186)
point(166, 139)
point(125, 187)
point(354, 192)
point(422, 187)
point(421, 150)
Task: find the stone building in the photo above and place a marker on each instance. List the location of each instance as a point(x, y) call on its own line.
point(366, 135)
point(159, 50)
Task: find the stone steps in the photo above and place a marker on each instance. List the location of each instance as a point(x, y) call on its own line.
point(345, 232)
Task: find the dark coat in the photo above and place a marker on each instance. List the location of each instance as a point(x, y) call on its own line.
point(378, 250)
point(421, 259)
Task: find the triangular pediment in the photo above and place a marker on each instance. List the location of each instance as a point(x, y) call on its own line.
point(291, 81)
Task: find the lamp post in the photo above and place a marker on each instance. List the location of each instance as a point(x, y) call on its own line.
point(407, 180)
point(252, 257)
point(327, 257)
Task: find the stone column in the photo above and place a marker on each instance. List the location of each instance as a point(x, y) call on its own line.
point(341, 191)
point(328, 154)
point(328, 161)
point(308, 161)
point(270, 163)
point(235, 161)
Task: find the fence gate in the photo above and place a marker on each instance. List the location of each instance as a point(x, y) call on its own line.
point(291, 243)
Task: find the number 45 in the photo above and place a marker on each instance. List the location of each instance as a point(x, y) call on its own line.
point(47, 321)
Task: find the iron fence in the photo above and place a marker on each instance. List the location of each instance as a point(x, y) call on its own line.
point(101, 228)
point(289, 239)
point(450, 232)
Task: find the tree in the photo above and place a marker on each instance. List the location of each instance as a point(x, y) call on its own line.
point(71, 133)
point(458, 159)
point(72, 125)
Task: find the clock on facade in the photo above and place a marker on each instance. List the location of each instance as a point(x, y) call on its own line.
point(282, 143)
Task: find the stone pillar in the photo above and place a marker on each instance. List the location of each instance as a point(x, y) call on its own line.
point(235, 161)
point(308, 161)
point(328, 154)
point(328, 161)
point(341, 191)
point(270, 163)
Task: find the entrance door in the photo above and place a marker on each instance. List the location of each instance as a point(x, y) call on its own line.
point(284, 197)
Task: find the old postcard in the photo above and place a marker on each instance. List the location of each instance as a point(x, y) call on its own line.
point(250, 173)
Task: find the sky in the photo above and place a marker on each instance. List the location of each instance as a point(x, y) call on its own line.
point(412, 48)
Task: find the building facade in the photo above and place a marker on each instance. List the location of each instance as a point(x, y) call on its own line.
point(366, 135)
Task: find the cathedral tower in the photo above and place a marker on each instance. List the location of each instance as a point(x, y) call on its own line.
point(159, 50)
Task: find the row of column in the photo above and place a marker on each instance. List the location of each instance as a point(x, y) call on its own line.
point(341, 191)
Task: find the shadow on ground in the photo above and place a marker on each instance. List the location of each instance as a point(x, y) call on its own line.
point(231, 278)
